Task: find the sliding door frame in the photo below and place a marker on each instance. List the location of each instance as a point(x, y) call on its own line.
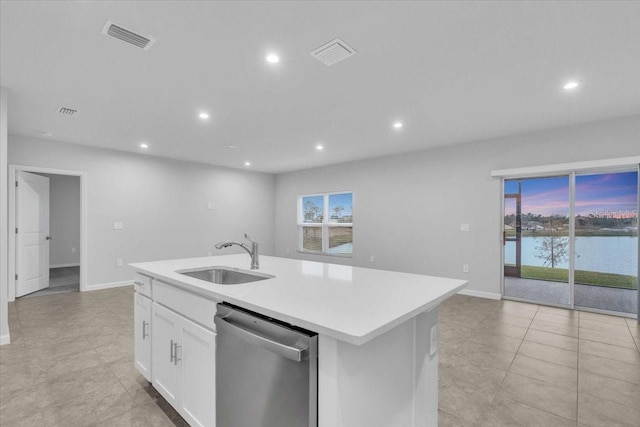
point(624, 164)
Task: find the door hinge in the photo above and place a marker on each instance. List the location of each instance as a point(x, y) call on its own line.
point(16, 230)
point(16, 277)
point(16, 183)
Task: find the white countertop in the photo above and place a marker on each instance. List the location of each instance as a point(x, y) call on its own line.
point(351, 304)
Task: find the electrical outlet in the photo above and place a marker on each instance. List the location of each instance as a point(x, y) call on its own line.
point(464, 227)
point(73, 250)
point(119, 262)
point(210, 206)
point(209, 253)
point(372, 258)
point(287, 251)
point(465, 268)
point(117, 225)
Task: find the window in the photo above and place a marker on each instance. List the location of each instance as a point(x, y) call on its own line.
point(325, 223)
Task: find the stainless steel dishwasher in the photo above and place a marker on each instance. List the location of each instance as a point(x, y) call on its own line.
point(266, 371)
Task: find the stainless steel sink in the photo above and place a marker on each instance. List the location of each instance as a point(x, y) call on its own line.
point(225, 275)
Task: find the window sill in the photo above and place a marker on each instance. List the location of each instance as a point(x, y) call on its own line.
point(325, 254)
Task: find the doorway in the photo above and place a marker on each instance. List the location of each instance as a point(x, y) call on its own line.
point(572, 241)
point(48, 252)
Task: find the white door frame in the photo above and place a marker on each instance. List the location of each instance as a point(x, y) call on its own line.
point(11, 289)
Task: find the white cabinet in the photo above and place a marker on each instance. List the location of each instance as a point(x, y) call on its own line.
point(184, 365)
point(164, 342)
point(142, 334)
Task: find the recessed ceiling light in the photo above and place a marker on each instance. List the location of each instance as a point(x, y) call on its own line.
point(144, 145)
point(319, 147)
point(247, 163)
point(203, 115)
point(571, 85)
point(231, 147)
point(46, 133)
point(397, 125)
point(272, 58)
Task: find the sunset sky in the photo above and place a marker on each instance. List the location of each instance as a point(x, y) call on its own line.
point(600, 194)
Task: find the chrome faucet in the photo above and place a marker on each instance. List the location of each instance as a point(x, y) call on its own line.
point(253, 250)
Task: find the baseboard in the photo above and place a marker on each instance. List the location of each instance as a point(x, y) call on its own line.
point(77, 264)
point(109, 285)
point(480, 294)
point(5, 339)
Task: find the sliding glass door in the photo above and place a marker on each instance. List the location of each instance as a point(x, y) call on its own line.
point(606, 242)
point(572, 240)
point(537, 232)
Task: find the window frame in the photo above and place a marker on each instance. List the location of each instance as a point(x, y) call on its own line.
point(324, 225)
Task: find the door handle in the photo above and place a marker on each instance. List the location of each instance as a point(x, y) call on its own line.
point(175, 353)
point(48, 238)
point(504, 238)
point(293, 353)
point(171, 355)
point(144, 329)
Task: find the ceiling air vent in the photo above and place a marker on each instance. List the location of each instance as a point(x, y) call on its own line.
point(334, 51)
point(69, 112)
point(128, 36)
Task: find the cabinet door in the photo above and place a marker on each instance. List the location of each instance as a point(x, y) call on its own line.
point(142, 334)
point(197, 364)
point(166, 332)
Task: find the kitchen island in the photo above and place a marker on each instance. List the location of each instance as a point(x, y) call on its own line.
point(377, 331)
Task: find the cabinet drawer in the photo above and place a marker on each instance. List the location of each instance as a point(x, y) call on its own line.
point(199, 309)
point(142, 284)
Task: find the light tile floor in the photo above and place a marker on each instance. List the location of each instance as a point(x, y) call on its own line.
point(502, 363)
point(506, 363)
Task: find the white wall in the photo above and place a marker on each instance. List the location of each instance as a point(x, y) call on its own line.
point(408, 208)
point(163, 205)
point(64, 219)
point(4, 322)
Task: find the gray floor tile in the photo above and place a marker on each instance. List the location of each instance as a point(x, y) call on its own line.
point(597, 412)
point(609, 368)
point(505, 412)
point(554, 340)
point(550, 373)
point(622, 392)
point(549, 353)
point(608, 351)
point(540, 395)
point(501, 363)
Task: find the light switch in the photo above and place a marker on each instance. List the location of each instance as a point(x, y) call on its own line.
point(119, 262)
point(464, 227)
point(117, 225)
point(465, 268)
point(210, 206)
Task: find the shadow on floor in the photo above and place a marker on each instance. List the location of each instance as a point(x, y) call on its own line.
point(61, 280)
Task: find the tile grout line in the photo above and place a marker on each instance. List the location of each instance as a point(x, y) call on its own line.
point(514, 357)
point(515, 373)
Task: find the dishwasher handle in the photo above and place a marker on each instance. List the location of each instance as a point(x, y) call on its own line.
point(292, 353)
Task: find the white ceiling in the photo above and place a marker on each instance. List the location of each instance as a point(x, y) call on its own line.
point(451, 71)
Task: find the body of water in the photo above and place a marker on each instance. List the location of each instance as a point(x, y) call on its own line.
point(605, 254)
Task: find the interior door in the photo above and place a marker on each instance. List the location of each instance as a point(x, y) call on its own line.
point(32, 234)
